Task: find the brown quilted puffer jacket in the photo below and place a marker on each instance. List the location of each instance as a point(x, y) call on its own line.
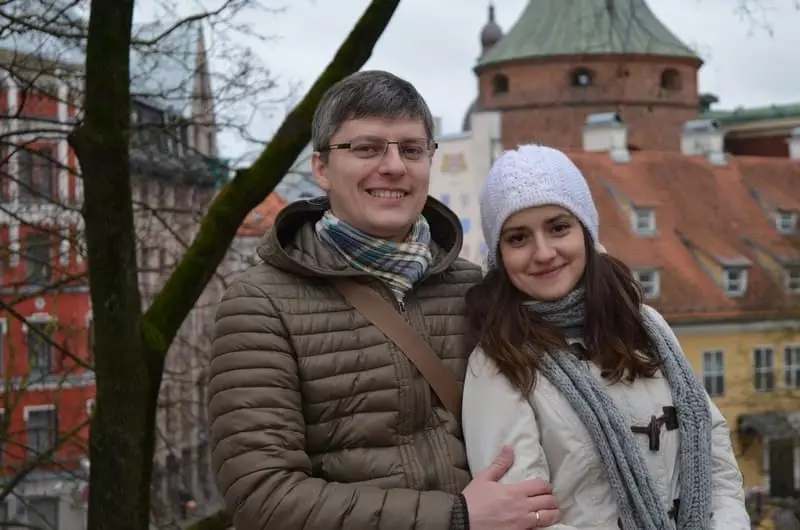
point(318, 422)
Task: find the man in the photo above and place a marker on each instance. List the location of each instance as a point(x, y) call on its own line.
point(318, 420)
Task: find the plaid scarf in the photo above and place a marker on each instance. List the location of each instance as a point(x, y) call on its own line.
point(400, 265)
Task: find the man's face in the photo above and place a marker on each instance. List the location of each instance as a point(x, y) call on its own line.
point(380, 194)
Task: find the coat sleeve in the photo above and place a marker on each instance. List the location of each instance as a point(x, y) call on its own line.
point(257, 433)
point(494, 414)
point(727, 492)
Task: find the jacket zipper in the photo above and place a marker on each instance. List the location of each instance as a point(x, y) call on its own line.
point(418, 408)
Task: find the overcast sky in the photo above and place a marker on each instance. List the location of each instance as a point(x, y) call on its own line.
point(749, 60)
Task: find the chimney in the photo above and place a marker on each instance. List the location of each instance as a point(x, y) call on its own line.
point(794, 144)
point(607, 132)
point(704, 137)
point(437, 126)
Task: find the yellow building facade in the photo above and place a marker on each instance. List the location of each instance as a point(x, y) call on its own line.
point(752, 372)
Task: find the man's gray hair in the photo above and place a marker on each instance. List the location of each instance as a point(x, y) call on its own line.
point(367, 94)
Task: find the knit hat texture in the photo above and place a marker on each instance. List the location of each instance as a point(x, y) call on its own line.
point(533, 175)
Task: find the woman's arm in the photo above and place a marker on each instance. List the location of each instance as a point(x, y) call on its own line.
point(727, 493)
point(495, 414)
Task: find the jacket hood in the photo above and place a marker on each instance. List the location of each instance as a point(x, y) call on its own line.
point(292, 244)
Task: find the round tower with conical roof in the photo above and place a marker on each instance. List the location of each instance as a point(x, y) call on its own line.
point(564, 60)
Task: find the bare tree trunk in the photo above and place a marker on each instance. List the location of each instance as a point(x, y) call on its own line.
point(123, 388)
point(130, 347)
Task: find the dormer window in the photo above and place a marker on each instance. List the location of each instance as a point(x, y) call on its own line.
point(786, 222)
point(643, 221)
point(793, 280)
point(650, 281)
point(734, 281)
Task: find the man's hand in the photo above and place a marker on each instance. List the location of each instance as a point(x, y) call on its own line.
point(495, 506)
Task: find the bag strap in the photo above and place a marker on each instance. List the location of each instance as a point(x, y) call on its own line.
point(384, 316)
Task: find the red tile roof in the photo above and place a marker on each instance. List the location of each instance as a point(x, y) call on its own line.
point(261, 218)
point(707, 216)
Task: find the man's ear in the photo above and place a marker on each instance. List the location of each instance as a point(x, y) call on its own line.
point(319, 169)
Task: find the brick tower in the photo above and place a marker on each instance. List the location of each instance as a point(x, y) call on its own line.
point(564, 60)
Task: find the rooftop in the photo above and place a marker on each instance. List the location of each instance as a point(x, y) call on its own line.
point(579, 27)
point(751, 114)
point(708, 218)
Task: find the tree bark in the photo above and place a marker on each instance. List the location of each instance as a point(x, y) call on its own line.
point(101, 143)
point(130, 347)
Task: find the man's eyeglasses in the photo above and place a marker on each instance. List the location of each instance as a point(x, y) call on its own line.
point(412, 149)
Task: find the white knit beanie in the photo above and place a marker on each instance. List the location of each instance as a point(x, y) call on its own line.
point(534, 175)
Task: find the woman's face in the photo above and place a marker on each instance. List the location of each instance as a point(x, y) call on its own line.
point(543, 251)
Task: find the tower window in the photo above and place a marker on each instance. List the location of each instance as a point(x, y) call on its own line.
point(500, 84)
point(582, 77)
point(670, 79)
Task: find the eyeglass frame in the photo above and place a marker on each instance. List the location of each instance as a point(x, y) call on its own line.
point(432, 145)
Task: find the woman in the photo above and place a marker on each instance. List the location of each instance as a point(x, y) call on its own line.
point(587, 384)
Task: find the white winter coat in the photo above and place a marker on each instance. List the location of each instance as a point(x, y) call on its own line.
point(551, 443)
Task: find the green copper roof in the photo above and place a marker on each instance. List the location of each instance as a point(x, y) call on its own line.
point(569, 27)
point(750, 114)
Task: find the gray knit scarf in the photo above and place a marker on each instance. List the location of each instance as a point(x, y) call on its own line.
point(637, 501)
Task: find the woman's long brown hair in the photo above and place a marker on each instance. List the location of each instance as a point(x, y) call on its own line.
point(615, 337)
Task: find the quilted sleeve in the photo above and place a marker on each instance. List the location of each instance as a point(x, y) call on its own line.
point(258, 437)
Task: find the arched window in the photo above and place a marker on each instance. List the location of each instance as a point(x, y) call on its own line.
point(581, 77)
point(670, 79)
point(500, 84)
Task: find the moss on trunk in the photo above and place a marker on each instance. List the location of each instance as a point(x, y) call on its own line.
point(119, 464)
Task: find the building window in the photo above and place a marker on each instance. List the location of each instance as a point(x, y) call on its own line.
point(791, 366)
point(3, 329)
point(38, 259)
point(764, 369)
point(793, 280)
point(581, 77)
point(786, 222)
point(466, 225)
point(643, 221)
point(37, 174)
point(204, 469)
point(670, 79)
point(650, 280)
point(734, 281)
point(500, 84)
point(42, 431)
point(90, 340)
point(173, 485)
point(210, 142)
point(714, 372)
point(43, 512)
point(5, 180)
point(40, 351)
point(4, 434)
